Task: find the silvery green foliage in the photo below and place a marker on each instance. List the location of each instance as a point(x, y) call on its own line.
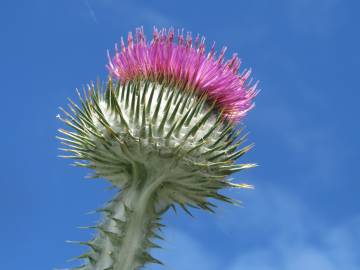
point(160, 146)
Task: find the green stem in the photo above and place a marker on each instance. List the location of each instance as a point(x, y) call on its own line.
point(131, 220)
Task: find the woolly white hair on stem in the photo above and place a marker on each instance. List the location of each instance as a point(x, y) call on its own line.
point(162, 143)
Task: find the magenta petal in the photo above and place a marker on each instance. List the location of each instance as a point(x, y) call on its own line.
point(188, 65)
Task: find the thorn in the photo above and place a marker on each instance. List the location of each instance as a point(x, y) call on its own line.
point(185, 209)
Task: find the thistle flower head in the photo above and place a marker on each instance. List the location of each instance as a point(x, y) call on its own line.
point(164, 133)
point(187, 65)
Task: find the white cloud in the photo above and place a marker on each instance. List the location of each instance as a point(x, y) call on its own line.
point(298, 241)
point(267, 209)
point(91, 11)
point(181, 251)
point(290, 257)
point(256, 260)
point(286, 235)
point(315, 148)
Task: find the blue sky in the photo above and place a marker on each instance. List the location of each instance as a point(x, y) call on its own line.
point(304, 212)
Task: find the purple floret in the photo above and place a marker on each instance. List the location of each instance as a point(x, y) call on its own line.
point(185, 63)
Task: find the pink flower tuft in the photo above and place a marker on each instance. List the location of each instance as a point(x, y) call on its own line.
point(185, 64)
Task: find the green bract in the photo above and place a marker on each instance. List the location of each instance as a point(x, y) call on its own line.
point(160, 146)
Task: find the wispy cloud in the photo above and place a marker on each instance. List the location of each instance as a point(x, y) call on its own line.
point(289, 236)
point(315, 148)
point(294, 255)
point(284, 235)
point(181, 251)
point(91, 11)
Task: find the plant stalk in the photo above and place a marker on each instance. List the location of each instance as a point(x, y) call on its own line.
point(130, 222)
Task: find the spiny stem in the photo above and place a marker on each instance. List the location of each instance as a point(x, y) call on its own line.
point(130, 222)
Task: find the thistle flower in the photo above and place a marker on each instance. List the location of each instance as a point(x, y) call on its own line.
point(163, 131)
point(186, 67)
